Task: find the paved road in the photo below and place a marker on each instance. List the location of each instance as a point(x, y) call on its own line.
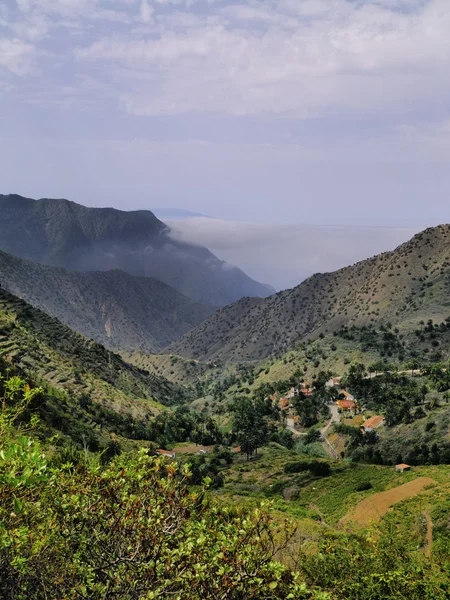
point(335, 418)
point(290, 426)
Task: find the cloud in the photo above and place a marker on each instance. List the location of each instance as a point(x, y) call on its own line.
point(284, 255)
point(299, 58)
point(16, 56)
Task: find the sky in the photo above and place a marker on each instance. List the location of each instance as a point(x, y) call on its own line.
point(267, 112)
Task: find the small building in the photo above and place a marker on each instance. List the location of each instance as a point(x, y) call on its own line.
point(236, 450)
point(346, 405)
point(346, 395)
point(296, 420)
point(372, 423)
point(284, 403)
point(166, 453)
point(402, 468)
point(334, 382)
point(306, 389)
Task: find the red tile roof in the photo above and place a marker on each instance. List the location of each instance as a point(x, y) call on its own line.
point(373, 422)
point(347, 404)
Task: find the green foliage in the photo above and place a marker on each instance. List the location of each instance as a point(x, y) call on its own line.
point(381, 565)
point(131, 531)
point(316, 468)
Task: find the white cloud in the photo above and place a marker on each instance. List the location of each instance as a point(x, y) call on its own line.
point(286, 58)
point(16, 56)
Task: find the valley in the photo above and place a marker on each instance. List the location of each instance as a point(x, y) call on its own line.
point(296, 413)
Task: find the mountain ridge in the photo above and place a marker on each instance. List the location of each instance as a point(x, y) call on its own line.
point(402, 286)
point(62, 233)
point(117, 310)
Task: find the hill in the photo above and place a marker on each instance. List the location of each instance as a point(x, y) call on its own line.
point(52, 354)
point(64, 234)
point(403, 287)
point(120, 311)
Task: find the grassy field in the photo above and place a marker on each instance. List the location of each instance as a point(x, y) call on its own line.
point(325, 499)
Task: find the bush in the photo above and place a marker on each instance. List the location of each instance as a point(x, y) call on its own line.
point(316, 468)
point(362, 487)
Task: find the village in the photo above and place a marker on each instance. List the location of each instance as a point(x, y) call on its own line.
point(344, 409)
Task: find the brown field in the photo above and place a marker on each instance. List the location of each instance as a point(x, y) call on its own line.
point(371, 509)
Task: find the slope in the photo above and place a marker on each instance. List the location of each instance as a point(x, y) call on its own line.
point(52, 353)
point(118, 310)
point(65, 234)
point(404, 286)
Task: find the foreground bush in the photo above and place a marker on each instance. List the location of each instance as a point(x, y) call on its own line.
point(131, 530)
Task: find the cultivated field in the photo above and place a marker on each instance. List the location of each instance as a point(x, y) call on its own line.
point(373, 508)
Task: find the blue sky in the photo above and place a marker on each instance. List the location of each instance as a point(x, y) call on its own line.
point(328, 112)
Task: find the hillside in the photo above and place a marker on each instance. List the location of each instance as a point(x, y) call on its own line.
point(50, 352)
point(118, 310)
point(403, 287)
point(65, 234)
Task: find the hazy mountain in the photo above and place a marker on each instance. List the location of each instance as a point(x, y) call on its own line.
point(404, 286)
point(51, 352)
point(118, 310)
point(65, 234)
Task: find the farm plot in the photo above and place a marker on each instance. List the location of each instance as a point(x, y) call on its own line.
point(373, 508)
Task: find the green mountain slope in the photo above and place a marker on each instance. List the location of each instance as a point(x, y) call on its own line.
point(409, 284)
point(117, 310)
point(65, 234)
point(51, 352)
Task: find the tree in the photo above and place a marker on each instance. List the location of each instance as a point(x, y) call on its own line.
point(250, 424)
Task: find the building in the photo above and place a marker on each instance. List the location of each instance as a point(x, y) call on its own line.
point(334, 382)
point(372, 423)
point(346, 405)
point(347, 395)
point(402, 468)
point(306, 389)
point(284, 403)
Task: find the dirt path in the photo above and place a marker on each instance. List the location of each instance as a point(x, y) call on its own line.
point(372, 508)
point(429, 534)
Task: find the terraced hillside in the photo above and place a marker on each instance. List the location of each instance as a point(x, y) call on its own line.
point(51, 352)
point(405, 286)
point(116, 309)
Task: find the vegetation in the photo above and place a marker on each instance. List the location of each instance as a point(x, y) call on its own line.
point(403, 287)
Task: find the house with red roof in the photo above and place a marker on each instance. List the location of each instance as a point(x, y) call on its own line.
point(372, 423)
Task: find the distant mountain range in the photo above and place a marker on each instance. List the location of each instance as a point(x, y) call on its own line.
point(118, 310)
point(403, 287)
point(64, 234)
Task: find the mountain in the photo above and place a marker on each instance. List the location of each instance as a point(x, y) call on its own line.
point(116, 309)
point(64, 234)
point(405, 286)
point(52, 353)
